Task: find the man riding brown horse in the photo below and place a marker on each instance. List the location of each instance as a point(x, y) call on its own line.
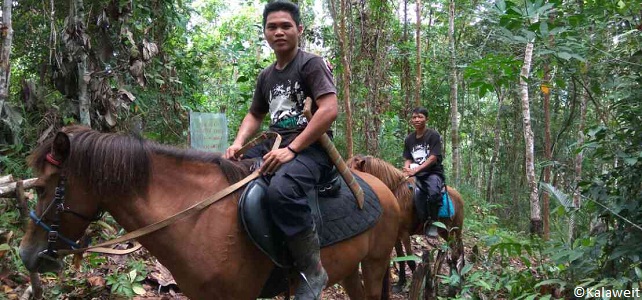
point(299, 164)
point(423, 155)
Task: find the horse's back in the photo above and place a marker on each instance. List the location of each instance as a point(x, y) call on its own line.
point(386, 197)
point(386, 229)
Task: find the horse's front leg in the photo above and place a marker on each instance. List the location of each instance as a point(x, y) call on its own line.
point(408, 245)
point(399, 249)
point(374, 271)
point(353, 286)
point(457, 249)
point(456, 260)
point(398, 287)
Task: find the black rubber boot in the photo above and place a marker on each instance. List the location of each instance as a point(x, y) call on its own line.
point(307, 260)
point(433, 216)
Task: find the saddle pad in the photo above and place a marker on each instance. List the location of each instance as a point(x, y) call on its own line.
point(447, 209)
point(339, 218)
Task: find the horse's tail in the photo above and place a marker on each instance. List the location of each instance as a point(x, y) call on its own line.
point(386, 286)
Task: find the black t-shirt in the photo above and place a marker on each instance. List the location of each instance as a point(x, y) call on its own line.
point(419, 149)
point(282, 92)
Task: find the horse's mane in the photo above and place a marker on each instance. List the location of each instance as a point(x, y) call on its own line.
point(392, 177)
point(120, 164)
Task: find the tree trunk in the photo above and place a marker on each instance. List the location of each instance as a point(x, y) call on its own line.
point(406, 79)
point(548, 149)
point(536, 219)
point(577, 200)
point(374, 54)
point(497, 138)
point(5, 53)
point(418, 74)
point(454, 115)
point(76, 45)
point(340, 30)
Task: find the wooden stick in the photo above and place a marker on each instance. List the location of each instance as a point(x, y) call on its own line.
point(8, 189)
point(21, 202)
point(336, 158)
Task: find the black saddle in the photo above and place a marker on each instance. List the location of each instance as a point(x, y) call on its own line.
point(334, 211)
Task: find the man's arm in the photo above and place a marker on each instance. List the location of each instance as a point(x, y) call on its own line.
point(412, 172)
point(249, 126)
point(429, 162)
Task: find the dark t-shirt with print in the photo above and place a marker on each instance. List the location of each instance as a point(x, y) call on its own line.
point(282, 93)
point(419, 149)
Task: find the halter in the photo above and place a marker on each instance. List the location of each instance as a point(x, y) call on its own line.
point(53, 229)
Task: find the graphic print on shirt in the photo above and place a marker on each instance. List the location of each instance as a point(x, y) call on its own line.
point(420, 153)
point(286, 105)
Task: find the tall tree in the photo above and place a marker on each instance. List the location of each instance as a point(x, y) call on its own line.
point(454, 115)
point(77, 44)
point(496, 143)
point(536, 218)
point(548, 148)
point(376, 19)
point(418, 41)
point(406, 78)
point(5, 52)
point(344, 49)
point(579, 158)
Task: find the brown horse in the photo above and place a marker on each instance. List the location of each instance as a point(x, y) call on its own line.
point(410, 224)
point(209, 254)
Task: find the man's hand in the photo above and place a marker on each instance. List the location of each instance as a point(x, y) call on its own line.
point(409, 171)
point(274, 159)
point(231, 152)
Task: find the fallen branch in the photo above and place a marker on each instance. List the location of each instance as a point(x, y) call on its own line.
point(7, 190)
point(27, 294)
point(6, 179)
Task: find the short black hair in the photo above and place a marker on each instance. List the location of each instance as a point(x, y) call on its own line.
point(282, 5)
point(420, 110)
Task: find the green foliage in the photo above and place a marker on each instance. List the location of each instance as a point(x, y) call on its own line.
point(127, 282)
point(515, 267)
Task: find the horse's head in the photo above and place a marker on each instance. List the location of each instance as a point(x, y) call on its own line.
point(357, 162)
point(62, 212)
point(381, 169)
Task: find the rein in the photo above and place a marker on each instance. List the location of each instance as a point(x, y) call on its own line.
point(101, 248)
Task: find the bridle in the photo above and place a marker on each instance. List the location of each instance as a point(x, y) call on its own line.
point(58, 204)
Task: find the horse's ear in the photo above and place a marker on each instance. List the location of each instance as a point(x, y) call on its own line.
point(61, 147)
point(361, 164)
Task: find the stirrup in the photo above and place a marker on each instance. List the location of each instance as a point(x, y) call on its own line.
point(432, 231)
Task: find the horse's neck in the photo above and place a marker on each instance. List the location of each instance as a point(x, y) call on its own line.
point(173, 187)
point(407, 203)
point(195, 248)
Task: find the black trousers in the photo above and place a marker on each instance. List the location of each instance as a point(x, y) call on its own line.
point(429, 196)
point(290, 184)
